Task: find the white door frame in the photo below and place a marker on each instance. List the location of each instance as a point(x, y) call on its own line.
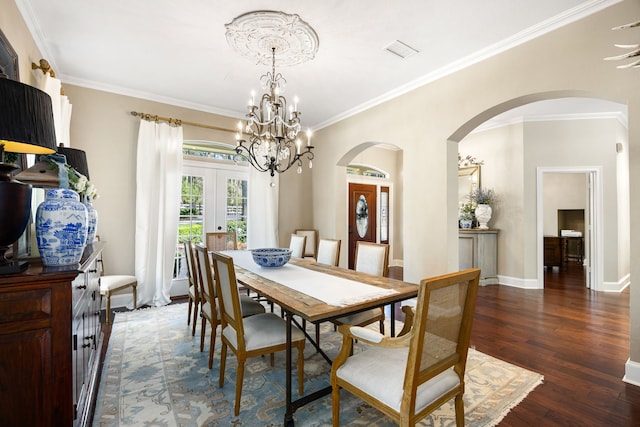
point(595, 257)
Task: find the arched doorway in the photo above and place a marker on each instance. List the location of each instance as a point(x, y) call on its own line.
point(564, 139)
point(373, 180)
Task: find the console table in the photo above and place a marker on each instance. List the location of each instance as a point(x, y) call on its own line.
point(479, 249)
point(50, 340)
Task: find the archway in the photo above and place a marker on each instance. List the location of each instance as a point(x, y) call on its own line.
point(526, 245)
point(388, 193)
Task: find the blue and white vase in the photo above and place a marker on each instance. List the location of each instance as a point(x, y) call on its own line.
point(61, 227)
point(92, 221)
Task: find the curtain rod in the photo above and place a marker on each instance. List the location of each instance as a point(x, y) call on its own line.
point(147, 116)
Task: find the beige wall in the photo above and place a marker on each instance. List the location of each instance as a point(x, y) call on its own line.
point(562, 191)
point(502, 151)
point(103, 126)
point(566, 62)
point(511, 156)
point(433, 119)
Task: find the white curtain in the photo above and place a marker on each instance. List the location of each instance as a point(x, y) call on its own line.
point(262, 227)
point(60, 105)
point(158, 179)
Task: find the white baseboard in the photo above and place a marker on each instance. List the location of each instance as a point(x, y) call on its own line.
point(618, 286)
point(632, 373)
point(396, 263)
point(517, 282)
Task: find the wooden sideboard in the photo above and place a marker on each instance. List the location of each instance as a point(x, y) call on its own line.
point(50, 340)
point(479, 249)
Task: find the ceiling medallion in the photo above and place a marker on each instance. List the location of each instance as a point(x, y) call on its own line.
point(254, 35)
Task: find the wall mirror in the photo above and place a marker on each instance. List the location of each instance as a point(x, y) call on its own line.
point(468, 181)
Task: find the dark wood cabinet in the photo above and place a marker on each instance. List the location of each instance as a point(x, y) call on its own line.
point(49, 343)
point(553, 251)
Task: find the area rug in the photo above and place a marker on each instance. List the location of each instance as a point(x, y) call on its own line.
point(155, 375)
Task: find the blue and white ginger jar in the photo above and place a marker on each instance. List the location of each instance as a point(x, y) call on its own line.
point(92, 221)
point(61, 228)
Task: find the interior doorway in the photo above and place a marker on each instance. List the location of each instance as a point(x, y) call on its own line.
point(569, 212)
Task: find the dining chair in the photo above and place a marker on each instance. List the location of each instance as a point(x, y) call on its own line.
point(194, 287)
point(328, 252)
point(297, 245)
point(221, 240)
point(110, 283)
point(371, 258)
point(252, 336)
point(210, 310)
point(422, 369)
point(310, 248)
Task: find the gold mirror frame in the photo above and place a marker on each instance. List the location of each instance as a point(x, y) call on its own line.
point(468, 181)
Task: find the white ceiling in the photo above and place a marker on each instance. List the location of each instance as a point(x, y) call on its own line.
point(176, 52)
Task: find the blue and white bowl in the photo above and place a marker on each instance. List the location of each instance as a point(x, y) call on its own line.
point(271, 257)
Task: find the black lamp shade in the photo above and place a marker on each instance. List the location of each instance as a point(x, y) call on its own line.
point(26, 119)
point(77, 159)
point(26, 126)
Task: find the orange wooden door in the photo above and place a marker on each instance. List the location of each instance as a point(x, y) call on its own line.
point(362, 216)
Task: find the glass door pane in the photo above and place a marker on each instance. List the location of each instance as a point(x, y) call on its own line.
point(232, 210)
point(191, 219)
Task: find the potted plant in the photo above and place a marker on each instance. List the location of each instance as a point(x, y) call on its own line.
point(483, 199)
point(466, 215)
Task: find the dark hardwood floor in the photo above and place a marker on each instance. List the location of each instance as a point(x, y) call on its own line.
point(578, 339)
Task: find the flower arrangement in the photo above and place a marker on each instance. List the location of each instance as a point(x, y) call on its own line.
point(77, 181)
point(466, 212)
point(481, 196)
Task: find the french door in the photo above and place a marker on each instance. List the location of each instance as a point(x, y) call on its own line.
point(214, 198)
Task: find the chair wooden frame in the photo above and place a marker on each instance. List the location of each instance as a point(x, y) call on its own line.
point(220, 240)
point(194, 287)
point(109, 283)
point(210, 303)
point(311, 243)
point(234, 331)
point(451, 361)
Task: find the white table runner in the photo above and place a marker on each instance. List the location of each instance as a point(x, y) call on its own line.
point(332, 290)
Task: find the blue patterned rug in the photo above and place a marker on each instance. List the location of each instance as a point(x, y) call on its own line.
point(155, 375)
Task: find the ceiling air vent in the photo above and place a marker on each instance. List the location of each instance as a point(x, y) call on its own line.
point(401, 49)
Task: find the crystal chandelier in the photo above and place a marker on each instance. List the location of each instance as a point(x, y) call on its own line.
point(270, 140)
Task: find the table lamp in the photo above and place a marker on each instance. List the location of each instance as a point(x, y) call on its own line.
point(76, 158)
point(26, 126)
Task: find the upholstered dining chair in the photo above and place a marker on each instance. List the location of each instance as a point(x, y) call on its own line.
point(210, 311)
point(194, 286)
point(110, 283)
point(297, 245)
point(221, 240)
point(310, 246)
point(328, 252)
point(420, 370)
point(249, 336)
point(371, 258)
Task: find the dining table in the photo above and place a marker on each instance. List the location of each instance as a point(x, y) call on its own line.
point(316, 293)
